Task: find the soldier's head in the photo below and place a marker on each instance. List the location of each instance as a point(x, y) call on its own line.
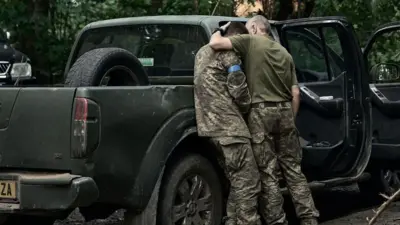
point(236, 28)
point(258, 25)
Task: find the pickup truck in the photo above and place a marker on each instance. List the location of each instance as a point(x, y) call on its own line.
point(122, 134)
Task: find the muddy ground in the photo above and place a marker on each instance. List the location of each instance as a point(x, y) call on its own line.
point(343, 207)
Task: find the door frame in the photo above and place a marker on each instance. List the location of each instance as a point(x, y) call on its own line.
point(357, 102)
point(378, 31)
point(376, 96)
point(383, 152)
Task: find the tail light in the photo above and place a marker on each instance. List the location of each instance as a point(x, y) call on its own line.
point(85, 128)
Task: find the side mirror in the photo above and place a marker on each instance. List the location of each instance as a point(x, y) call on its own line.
point(384, 73)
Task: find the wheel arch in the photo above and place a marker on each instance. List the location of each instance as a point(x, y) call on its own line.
point(177, 137)
point(192, 143)
point(189, 142)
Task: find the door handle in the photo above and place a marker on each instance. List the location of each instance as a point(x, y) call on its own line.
point(328, 105)
point(389, 107)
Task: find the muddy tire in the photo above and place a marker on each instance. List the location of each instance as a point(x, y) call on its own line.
point(390, 181)
point(383, 181)
point(191, 191)
point(106, 67)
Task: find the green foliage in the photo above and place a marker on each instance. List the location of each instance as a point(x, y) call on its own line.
point(366, 16)
point(45, 30)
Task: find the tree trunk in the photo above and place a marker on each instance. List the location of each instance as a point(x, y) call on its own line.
point(155, 5)
point(309, 7)
point(285, 10)
point(196, 6)
point(268, 8)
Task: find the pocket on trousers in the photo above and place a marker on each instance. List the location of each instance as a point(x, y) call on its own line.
point(257, 144)
point(235, 156)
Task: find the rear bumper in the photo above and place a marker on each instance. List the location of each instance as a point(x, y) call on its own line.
point(44, 192)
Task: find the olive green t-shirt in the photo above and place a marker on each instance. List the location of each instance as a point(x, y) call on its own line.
point(268, 66)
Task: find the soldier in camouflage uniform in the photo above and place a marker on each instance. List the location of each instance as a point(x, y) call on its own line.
point(275, 94)
point(221, 96)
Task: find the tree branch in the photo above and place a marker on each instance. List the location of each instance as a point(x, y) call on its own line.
point(383, 207)
point(216, 5)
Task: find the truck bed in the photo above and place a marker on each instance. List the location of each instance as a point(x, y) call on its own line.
point(36, 130)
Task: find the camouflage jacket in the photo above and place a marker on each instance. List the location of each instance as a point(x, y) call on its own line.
point(221, 94)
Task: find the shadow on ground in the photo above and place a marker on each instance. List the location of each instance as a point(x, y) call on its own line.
point(346, 206)
point(343, 206)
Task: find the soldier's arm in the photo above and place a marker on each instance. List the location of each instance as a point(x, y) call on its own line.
point(295, 88)
point(236, 81)
point(239, 43)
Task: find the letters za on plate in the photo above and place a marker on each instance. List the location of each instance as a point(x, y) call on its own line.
point(8, 189)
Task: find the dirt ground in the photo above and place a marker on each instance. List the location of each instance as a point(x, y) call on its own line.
point(336, 208)
point(389, 217)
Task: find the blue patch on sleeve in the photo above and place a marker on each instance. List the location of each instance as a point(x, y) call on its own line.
point(234, 68)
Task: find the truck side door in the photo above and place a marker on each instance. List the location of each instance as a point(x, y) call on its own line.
point(383, 59)
point(334, 116)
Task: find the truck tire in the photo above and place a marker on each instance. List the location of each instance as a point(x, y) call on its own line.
point(106, 67)
point(390, 181)
point(380, 183)
point(191, 190)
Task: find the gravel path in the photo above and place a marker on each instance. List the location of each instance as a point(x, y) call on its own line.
point(337, 208)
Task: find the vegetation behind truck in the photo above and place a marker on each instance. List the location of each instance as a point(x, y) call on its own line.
point(122, 133)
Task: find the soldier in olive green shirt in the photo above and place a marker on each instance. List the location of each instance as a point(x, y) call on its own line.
point(272, 82)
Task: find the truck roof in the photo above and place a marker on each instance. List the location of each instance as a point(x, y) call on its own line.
point(167, 19)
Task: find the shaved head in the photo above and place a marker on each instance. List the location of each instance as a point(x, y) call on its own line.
point(258, 25)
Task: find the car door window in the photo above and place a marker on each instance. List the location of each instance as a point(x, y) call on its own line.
point(308, 54)
point(384, 51)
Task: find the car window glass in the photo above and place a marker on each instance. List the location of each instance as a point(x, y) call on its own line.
point(384, 50)
point(164, 49)
point(305, 46)
point(335, 51)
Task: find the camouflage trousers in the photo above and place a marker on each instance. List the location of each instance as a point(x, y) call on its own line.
point(241, 169)
point(276, 145)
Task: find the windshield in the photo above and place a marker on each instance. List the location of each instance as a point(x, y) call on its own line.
point(164, 49)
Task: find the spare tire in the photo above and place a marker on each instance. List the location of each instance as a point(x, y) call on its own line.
point(106, 67)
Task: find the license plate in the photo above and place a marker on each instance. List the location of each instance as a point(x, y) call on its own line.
point(8, 189)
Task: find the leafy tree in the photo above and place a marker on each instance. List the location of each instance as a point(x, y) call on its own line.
point(45, 29)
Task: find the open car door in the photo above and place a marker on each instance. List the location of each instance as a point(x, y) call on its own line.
point(382, 54)
point(334, 120)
